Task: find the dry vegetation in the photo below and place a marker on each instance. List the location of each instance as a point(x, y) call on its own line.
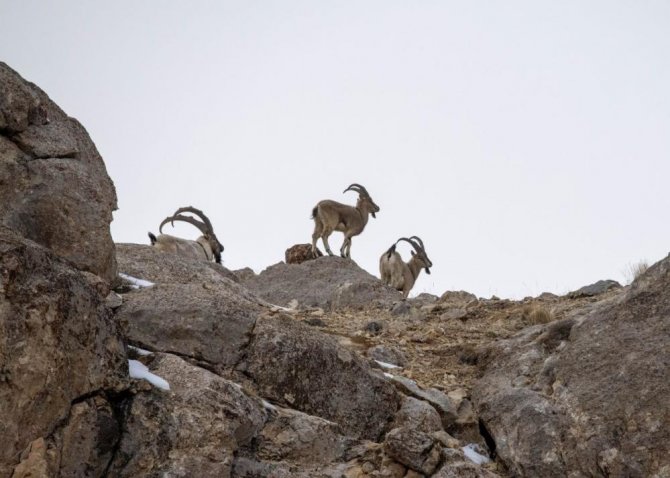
point(441, 340)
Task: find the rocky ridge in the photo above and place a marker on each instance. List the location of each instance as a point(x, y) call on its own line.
point(311, 369)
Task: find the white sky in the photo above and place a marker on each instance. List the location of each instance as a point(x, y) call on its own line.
point(526, 142)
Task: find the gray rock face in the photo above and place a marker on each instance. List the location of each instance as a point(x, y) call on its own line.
point(54, 188)
point(148, 263)
point(210, 324)
point(586, 396)
point(58, 343)
point(192, 430)
point(327, 282)
point(296, 437)
point(293, 364)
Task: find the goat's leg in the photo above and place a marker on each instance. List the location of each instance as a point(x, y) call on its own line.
point(324, 237)
point(347, 244)
point(318, 230)
point(343, 249)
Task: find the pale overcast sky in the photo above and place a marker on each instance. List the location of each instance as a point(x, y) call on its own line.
point(526, 142)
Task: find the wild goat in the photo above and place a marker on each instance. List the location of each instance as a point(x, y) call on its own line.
point(332, 216)
point(206, 247)
point(402, 275)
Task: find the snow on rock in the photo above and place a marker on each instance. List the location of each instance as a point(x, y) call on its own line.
point(472, 453)
point(136, 283)
point(139, 370)
point(386, 364)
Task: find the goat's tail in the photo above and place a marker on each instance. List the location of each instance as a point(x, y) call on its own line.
point(152, 238)
point(314, 211)
point(390, 252)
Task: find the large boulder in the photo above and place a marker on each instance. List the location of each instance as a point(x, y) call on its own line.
point(309, 371)
point(58, 345)
point(586, 396)
point(194, 429)
point(326, 282)
point(54, 188)
point(207, 323)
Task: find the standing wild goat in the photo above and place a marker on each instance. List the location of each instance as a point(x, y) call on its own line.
point(206, 247)
point(402, 275)
point(332, 216)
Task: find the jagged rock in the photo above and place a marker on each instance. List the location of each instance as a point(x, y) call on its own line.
point(423, 299)
point(436, 398)
point(300, 253)
point(302, 439)
point(596, 288)
point(401, 308)
point(194, 429)
point(387, 354)
point(54, 188)
point(457, 298)
point(327, 282)
point(414, 449)
point(36, 461)
point(58, 342)
point(296, 365)
point(417, 415)
point(206, 324)
point(89, 438)
point(458, 467)
point(586, 396)
point(244, 274)
point(148, 263)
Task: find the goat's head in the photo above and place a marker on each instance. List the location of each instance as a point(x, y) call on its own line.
point(364, 202)
point(419, 252)
point(204, 225)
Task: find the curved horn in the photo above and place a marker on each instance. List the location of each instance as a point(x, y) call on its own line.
point(190, 220)
point(198, 213)
point(418, 239)
point(416, 247)
point(357, 188)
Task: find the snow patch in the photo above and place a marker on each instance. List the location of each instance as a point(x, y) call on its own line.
point(139, 370)
point(387, 365)
point(136, 283)
point(472, 453)
point(268, 405)
point(388, 375)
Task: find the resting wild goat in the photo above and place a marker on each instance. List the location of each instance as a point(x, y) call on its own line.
point(332, 216)
point(402, 275)
point(206, 247)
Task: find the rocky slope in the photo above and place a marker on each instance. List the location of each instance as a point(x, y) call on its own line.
point(311, 369)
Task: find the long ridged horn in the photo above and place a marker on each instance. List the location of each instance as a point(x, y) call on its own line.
point(198, 213)
point(190, 220)
point(357, 188)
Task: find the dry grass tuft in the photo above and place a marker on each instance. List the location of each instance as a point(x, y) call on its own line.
point(537, 314)
point(633, 271)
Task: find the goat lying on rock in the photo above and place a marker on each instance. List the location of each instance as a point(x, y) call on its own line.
point(332, 216)
point(402, 275)
point(206, 247)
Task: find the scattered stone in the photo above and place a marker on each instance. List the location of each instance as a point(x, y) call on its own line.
point(315, 322)
point(388, 354)
point(596, 288)
point(436, 398)
point(300, 253)
point(401, 308)
point(374, 327)
point(414, 449)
